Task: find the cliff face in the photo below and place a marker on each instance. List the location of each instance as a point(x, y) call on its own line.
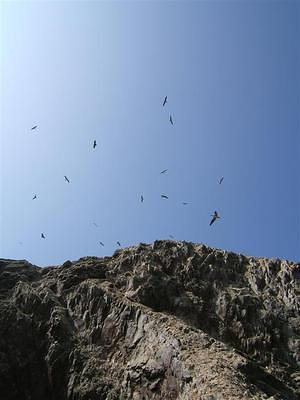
point(172, 320)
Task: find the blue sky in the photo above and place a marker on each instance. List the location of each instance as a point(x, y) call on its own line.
point(100, 70)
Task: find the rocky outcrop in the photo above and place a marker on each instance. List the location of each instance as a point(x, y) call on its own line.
point(172, 320)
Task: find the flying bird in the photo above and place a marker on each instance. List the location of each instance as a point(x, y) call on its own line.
point(94, 144)
point(171, 236)
point(34, 127)
point(34, 197)
point(43, 236)
point(214, 217)
point(165, 101)
point(221, 180)
point(119, 244)
point(94, 223)
point(171, 120)
point(163, 196)
point(142, 198)
point(66, 178)
point(164, 171)
point(184, 203)
point(102, 244)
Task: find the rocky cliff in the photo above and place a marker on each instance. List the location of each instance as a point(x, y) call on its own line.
point(171, 320)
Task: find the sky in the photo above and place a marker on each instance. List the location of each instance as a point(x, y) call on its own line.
point(85, 71)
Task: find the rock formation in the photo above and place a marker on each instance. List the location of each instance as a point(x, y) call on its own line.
point(171, 320)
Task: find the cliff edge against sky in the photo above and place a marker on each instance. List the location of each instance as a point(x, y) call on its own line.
point(171, 320)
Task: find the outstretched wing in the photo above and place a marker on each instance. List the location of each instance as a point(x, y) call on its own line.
point(213, 220)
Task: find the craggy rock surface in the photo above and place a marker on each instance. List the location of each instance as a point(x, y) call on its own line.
point(171, 320)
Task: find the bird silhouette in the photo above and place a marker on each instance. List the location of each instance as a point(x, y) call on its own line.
point(185, 203)
point(43, 236)
point(214, 217)
point(66, 178)
point(171, 120)
point(171, 236)
point(34, 127)
point(119, 244)
point(142, 198)
point(164, 171)
point(34, 197)
point(221, 180)
point(94, 223)
point(163, 196)
point(102, 244)
point(165, 101)
point(94, 144)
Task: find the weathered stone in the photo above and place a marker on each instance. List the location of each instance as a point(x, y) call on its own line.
point(172, 320)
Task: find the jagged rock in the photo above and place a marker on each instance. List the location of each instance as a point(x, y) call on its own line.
point(172, 320)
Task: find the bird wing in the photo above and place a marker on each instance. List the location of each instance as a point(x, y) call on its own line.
point(213, 220)
point(165, 170)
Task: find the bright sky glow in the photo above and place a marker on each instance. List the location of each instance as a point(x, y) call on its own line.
point(100, 70)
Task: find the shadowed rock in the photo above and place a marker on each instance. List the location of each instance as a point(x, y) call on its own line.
point(171, 320)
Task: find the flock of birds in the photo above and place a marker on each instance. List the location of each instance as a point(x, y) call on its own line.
point(214, 216)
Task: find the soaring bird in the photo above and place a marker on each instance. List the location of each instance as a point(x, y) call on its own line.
point(142, 198)
point(184, 203)
point(94, 144)
point(165, 101)
point(164, 171)
point(102, 244)
point(171, 236)
point(96, 225)
point(171, 120)
point(221, 180)
point(66, 178)
point(34, 197)
point(163, 196)
point(34, 127)
point(119, 244)
point(214, 217)
point(43, 236)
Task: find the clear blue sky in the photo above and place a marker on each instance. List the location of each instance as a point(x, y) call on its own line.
point(100, 70)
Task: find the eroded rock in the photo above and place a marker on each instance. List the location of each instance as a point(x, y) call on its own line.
point(172, 320)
